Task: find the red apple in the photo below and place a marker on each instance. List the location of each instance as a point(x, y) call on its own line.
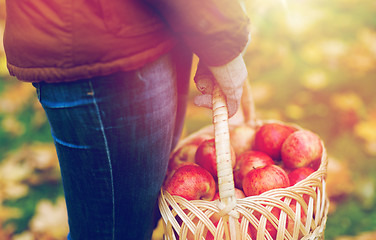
point(242, 138)
point(190, 235)
point(172, 171)
point(315, 164)
point(192, 183)
point(209, 235)
point(238, 194)
point(215, 217)
point(206, 157)
point(291, 222)
point(269, 227)
point(264, 179)
point(248, 161)
point(206, 233)
point(186, 152)
point(198, 139)
point(270, 137)
point(299, 174)
point(287, 170)
point(301, 149)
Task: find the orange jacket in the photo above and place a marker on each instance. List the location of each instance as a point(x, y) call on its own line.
point(65, 40)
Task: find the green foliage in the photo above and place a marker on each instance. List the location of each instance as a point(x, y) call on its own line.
point(350, 219)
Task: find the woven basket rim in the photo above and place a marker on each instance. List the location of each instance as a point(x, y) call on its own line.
point(313, 186)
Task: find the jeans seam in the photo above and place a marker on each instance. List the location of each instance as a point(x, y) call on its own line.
point(108, 157)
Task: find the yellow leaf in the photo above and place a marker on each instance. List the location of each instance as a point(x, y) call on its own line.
point(11, 125)
point(270, 114)
point(301, 18)
point(42, 156)
point(9, 212)
point(294, 111)
point(13, 171)
point(311, 53)
point(346, 101)
point(39, 118)
point(370, 148)
point(368, 38)
point(315, 80)
point(16, 190)
point(12, 176)
point(333, 49)
point(50, 219)
point(366, 130)
point(3, 65)
point(15, 96)
point(339, 181)
point(359, 59)
point(361, 236)
point(158, 232)
point(24, 236)
point(261, 92)
point(363, 62)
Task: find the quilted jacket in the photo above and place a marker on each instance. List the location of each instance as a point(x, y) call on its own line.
point(66, 40)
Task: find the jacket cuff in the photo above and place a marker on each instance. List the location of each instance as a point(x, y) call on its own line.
point(230, 75)
point(226, 50)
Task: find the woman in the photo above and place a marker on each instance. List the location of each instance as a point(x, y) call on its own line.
point(112, 76)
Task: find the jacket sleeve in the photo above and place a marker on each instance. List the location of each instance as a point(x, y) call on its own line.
point(215, 30)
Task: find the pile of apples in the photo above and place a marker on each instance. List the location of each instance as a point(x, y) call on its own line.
point(275, 155)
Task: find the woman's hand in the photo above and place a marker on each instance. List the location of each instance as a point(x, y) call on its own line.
point(230, 78)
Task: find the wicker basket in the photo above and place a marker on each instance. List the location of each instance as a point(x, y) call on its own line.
point(182, 218)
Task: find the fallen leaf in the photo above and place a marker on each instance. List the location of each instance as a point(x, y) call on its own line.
point(359, 60)
point(370, 148)
point(50, 219)
point(365, 192)
point(3, 62)
point(339, 182)
point(368, 39)
point(334, 50)
point(312, 53)
point(8, 213)
point(6, 232)
point(262, 92)
point(15, 96)
point(39, 118)
point(31, 164)
point(12, 126)
point(12, 177)
point(315, 80)
point(294, 111)
point(366, 130)
point(346, 101)
point(301, 20)
point(27, 235)
point(362, 236)
point(42, 156)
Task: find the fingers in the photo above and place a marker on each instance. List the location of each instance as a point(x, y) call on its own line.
point(205, 85)
point(204, 79)
point(232, 107)
point(203, 101)
point(207, 102)
point(230, 78)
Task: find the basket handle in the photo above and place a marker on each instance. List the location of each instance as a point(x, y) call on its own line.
point(224, 168)
point(248, 105)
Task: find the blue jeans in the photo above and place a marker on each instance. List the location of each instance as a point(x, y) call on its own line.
point(113, 136)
